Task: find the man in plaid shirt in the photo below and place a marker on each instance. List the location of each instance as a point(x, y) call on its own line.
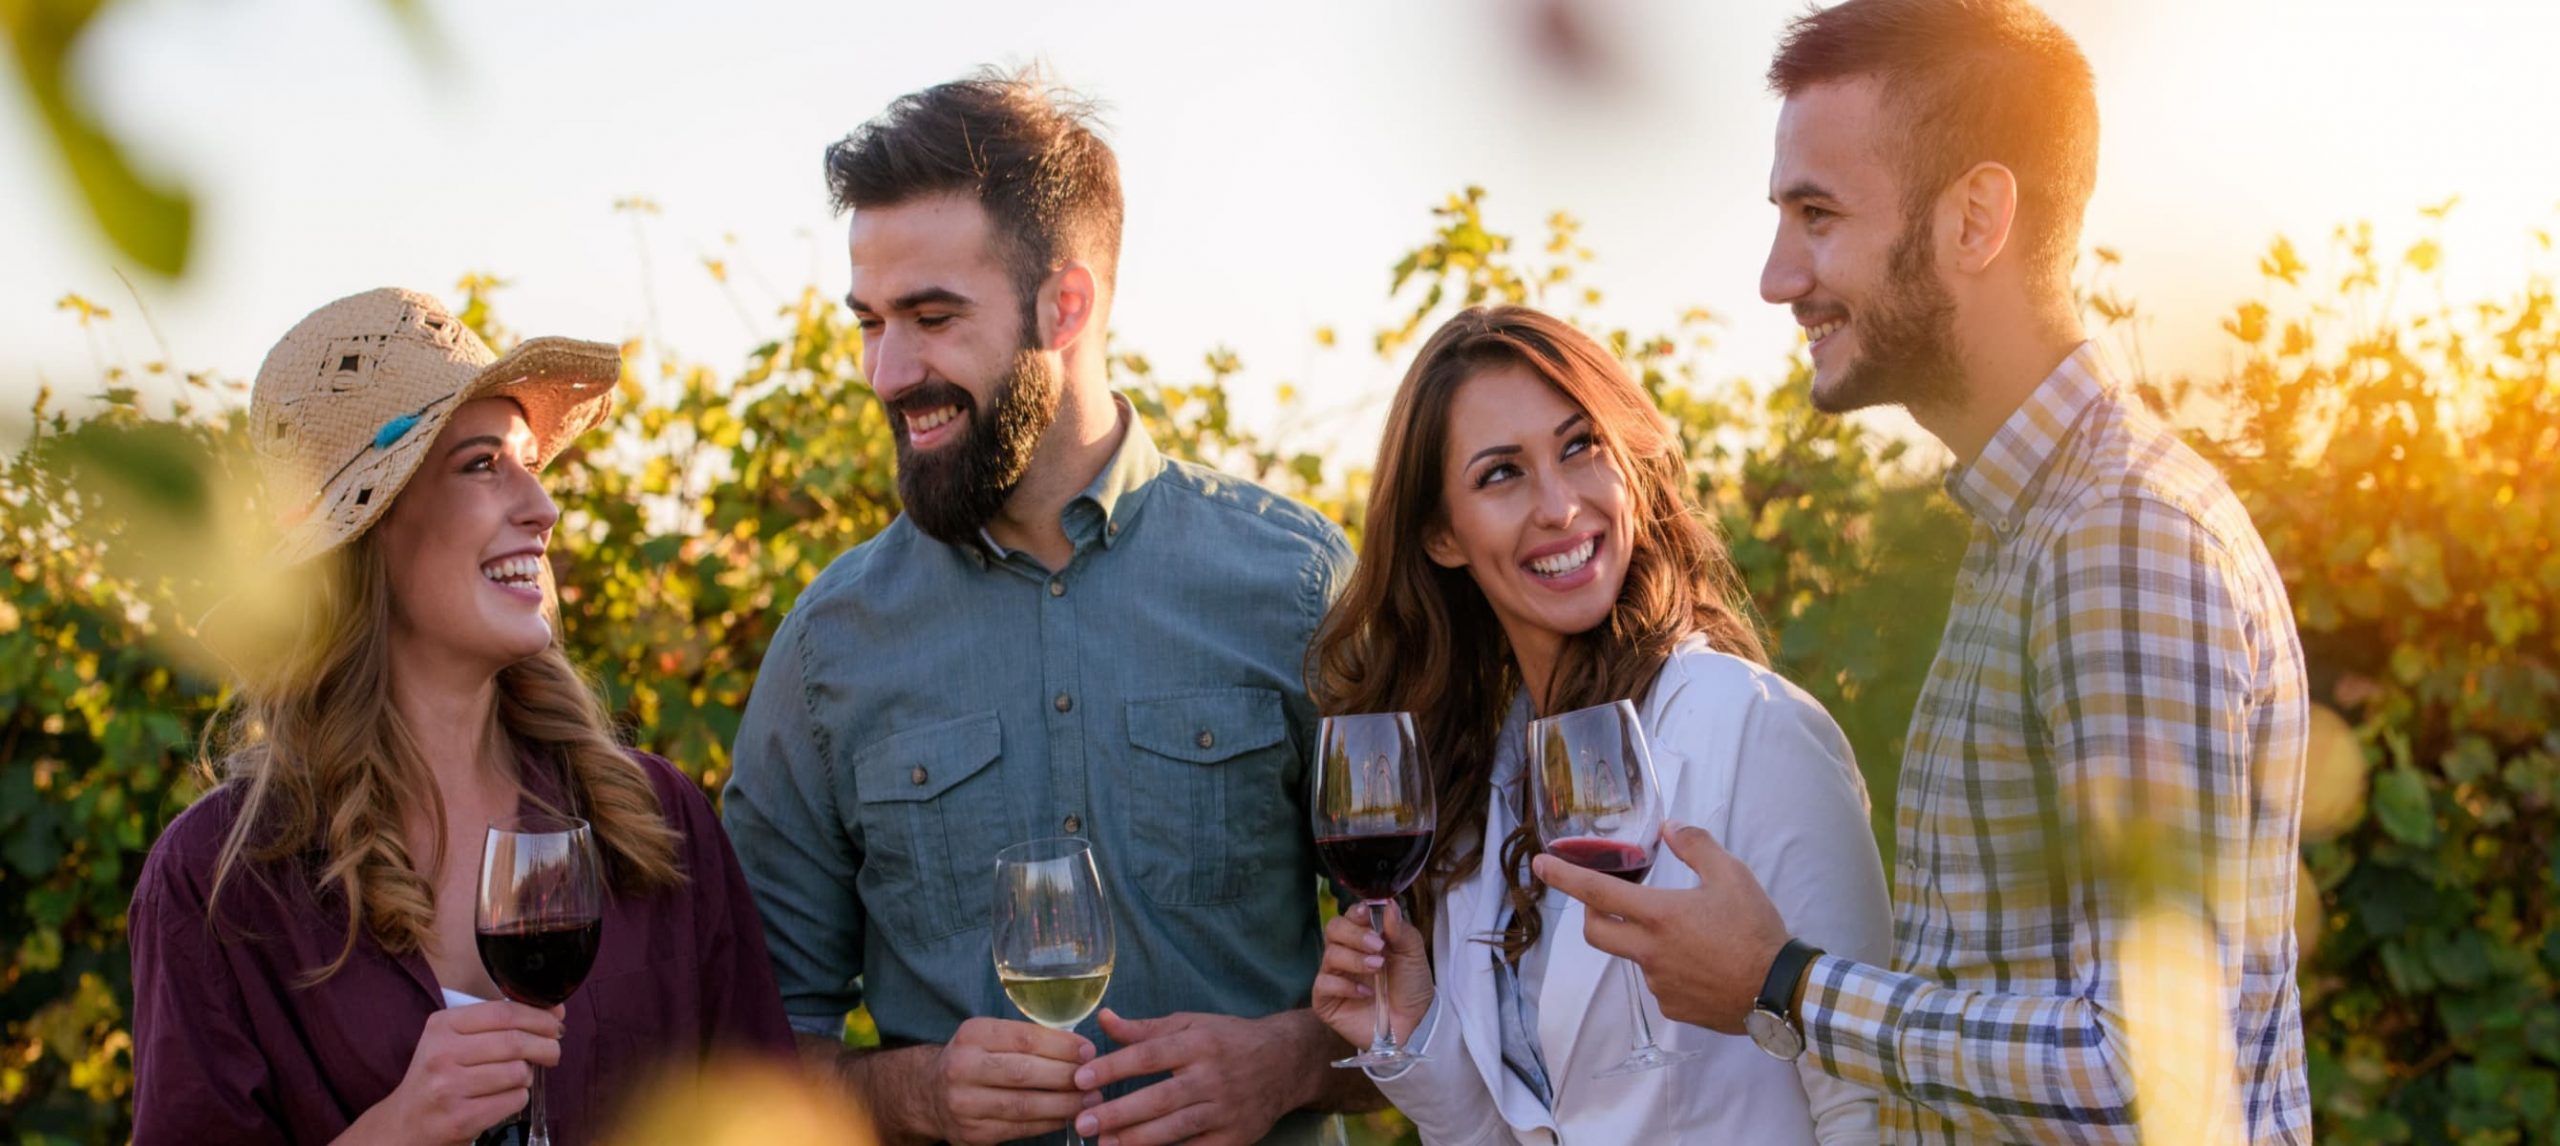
point(2099, 805)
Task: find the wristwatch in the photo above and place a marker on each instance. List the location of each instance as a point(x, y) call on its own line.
point(1773, 1022)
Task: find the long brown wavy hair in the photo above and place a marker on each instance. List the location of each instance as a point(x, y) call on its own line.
point(327, 769)
point(1408, 635)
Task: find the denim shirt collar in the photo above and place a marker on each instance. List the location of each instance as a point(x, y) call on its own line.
point(1110, 503)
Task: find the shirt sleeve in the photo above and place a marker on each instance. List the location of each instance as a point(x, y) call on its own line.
point(2141, 682)
point(742, 1008)
point(1799, 820)
point(780, 808)
point(1320, 581)
point(198, 1074)
point(1441, 1093)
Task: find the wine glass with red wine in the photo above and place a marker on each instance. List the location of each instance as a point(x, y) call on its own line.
point(1598, 805)
point(541, 915)
point(1373, 818)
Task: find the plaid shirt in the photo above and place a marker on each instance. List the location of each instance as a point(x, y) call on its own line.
point(2116, 714)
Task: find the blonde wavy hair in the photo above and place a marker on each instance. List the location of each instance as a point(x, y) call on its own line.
point(325, 764)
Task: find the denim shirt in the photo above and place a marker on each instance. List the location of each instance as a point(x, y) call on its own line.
point(926, 705)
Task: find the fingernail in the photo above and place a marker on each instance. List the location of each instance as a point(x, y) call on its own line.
point(1373, 942)
point(1374, 962)
point(1087, 1125)
point(1364, 991)
point(1084, 1079)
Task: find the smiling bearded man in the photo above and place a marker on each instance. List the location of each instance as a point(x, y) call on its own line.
point(1065, 634)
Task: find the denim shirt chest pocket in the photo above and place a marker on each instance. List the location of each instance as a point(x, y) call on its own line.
point(928, 809)
point(1207, 806)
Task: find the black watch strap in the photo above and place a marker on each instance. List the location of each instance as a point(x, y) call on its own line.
point(1778, 992)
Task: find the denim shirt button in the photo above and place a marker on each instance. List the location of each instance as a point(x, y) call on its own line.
point(1073, 825)
point(1057, 587)
point(1064, 702)
point(916, 777)
point(1205, 740)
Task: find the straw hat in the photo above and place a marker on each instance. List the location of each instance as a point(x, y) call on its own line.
point(347, 404)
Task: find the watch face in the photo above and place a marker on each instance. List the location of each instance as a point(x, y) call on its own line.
point(1774, 1035)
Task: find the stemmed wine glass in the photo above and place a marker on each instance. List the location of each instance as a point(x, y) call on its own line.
point(1053, 940)
point(541, 914)
point(1592, 788)
point(1373, 815)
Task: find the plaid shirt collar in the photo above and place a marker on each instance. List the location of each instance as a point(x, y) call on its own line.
point(1998, 485)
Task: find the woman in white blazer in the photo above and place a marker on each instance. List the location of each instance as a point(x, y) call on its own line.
point(1531, 547)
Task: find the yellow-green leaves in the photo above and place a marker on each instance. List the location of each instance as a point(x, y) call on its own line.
point(150, 222)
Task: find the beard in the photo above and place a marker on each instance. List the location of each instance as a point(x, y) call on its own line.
point(953, 492)
point(1906, 339)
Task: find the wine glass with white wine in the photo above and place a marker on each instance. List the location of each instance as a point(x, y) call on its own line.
point(1053, 940)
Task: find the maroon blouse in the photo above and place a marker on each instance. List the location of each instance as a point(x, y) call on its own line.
point(228, 1048)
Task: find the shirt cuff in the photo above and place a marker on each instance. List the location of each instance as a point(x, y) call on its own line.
point(1849, 1016)
point(818, 1026)
point(1418, 1043)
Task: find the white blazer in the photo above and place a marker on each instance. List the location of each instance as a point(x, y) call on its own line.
point(1755, 761)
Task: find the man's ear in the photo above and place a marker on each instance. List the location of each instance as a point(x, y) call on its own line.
point(1975, 216)
point(1066, 305)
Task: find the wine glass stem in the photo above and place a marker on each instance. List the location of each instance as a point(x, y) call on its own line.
point(1383, 1037)
point(537, 1115)
point(1635, 1003)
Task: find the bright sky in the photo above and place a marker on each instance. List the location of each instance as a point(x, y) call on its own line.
point(1277, 158)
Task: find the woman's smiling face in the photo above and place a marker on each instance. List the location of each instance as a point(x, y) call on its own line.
point(1534, 507)
point(465, 545)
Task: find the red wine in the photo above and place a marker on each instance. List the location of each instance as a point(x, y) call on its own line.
point(541, 962)
point(1625, 861)
point(1375, 867)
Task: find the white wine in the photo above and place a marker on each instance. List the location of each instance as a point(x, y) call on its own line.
point(1057, 1002)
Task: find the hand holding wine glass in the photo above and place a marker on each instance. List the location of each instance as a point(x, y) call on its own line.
point(1373, 811)
point(470, 1071)
point(1053, 938)
point(1364, 969)
point(540, 918)
point(1598, 806)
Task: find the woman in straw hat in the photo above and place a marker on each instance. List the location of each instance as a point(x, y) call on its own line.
point(304, 958)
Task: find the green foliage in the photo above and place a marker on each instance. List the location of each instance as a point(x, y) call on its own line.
point(2396, 465)
point(2392, 464)
point(98, 732)
point(149, 221)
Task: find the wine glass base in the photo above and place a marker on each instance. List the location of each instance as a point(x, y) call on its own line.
point(1369, 1058)
point(1650, 1058)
